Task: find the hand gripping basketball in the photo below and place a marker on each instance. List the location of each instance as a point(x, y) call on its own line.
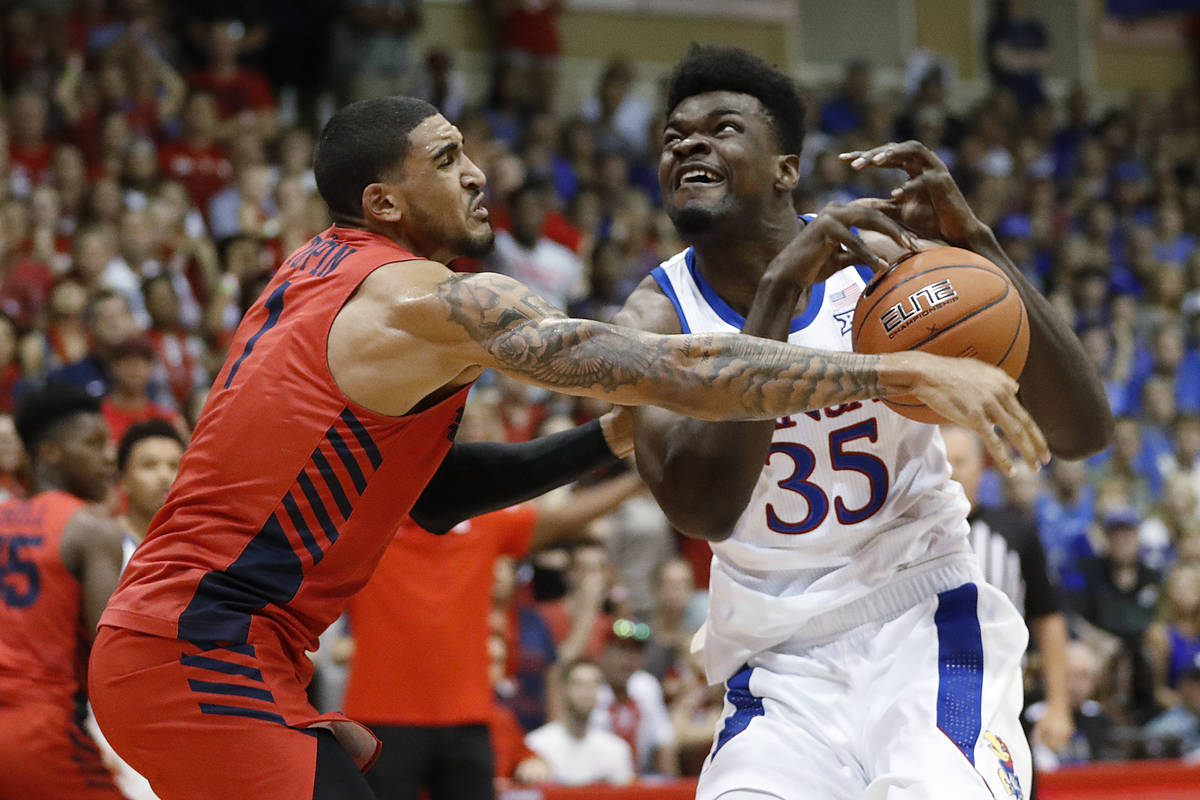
point(981, 397)
point(929, 202)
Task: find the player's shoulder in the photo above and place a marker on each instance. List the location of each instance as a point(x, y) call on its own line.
point(648, 308)
point(90, 532)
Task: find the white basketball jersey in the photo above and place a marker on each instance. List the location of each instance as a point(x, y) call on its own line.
point(854, 516)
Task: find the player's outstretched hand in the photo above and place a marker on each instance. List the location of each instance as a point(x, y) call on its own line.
point(617, 426)
point(983, 398)
point(929, 202)
point(828, 243)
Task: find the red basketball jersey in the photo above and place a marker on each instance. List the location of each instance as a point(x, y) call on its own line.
point(43, 644)
point(289, 492)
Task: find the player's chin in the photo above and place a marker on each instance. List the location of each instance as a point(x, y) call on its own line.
point(695, 217)
point(477, 244)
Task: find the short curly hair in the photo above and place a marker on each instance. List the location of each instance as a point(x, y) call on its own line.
point(41, 412)
point(708, 68)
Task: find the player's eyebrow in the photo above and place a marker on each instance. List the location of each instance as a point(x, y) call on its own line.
point(445, 150)
point(721, 112)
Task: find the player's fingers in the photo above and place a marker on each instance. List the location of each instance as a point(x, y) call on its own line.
point(913, 187)
point(1036, 445)
point(1016, 426)
point(1001, 455)
point(910, 156)
point(854, 247)
point(863, 216)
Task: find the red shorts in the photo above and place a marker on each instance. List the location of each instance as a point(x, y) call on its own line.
point(46, 755)
point(201, 723)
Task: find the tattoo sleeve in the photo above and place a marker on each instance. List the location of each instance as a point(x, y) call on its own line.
point(710, 376)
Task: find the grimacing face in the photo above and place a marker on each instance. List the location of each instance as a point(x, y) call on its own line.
point(720, 161)
point(441, 192)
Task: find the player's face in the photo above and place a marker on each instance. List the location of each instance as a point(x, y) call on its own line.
point(83, 456)
point(720, 161)
point(151, 469)
point(441, 193)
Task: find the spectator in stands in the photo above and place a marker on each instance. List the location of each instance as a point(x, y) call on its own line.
point(1174, 518)
point(109, 322)
point(577, 752)
point(197, 159)
point(373, 50)
point(1116, 604)
point(1184, 458)
point(1094, 736)
point(29, 149)
point(1173, 641)
point(513, 758)
point(677, 616)
point(620, 120)
point(179, 352)
point(1063, 514)
point(128, 400)
point(1181, 722)
point(631, 704)
point(1018, 52)
point(846, 111)
point(549, 268)
point(577, 621)
point(1126, 462)
point(244, 98)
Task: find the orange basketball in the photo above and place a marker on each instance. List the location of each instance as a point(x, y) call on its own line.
point(947, 301)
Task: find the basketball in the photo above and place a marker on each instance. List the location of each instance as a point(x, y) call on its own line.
point(946, 301)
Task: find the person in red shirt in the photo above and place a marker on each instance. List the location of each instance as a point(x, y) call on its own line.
point(197, 159)
point(244, 98)
point(59, 562)
point(334, 416)
point(29, 151)
point(433, 723)
point(128, 400)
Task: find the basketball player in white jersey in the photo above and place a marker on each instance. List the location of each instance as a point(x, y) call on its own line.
point(863, 654)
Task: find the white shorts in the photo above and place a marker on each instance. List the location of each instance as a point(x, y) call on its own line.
point(925, 706)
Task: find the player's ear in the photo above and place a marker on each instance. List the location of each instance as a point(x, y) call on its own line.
point(381, 202)
point(787, 173)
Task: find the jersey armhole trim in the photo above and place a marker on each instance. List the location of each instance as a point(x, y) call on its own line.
point(664, 283)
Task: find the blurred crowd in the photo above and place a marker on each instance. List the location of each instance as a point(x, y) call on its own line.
point(155, 167)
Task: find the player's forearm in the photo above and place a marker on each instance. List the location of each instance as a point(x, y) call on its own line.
point(1059, 385)
point(706, 376)
point(1050, 633)
point(703, 473)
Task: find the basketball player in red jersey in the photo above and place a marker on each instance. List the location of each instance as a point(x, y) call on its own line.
point(60, 559)
point(339, 400)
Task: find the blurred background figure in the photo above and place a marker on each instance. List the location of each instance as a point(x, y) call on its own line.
point(576, 751)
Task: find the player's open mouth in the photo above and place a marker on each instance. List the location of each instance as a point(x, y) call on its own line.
point(698, 175)
point(478, 210)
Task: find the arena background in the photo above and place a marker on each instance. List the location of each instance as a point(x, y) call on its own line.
point(1093, 184)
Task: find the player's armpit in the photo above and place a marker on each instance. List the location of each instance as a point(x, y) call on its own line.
point(708, 376)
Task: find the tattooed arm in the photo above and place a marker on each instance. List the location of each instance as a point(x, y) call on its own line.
point(715, 376)
point(415, 331)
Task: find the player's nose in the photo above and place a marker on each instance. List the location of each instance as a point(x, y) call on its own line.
point(689, 146)
point(472, 176)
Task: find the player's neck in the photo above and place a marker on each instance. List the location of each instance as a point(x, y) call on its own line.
point(136, 523)
point(733, 264)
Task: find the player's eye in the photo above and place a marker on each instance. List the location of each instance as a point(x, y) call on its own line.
point(727, 126)
point(670, 137)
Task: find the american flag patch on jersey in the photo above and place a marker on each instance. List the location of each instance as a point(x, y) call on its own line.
point(846, 296)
